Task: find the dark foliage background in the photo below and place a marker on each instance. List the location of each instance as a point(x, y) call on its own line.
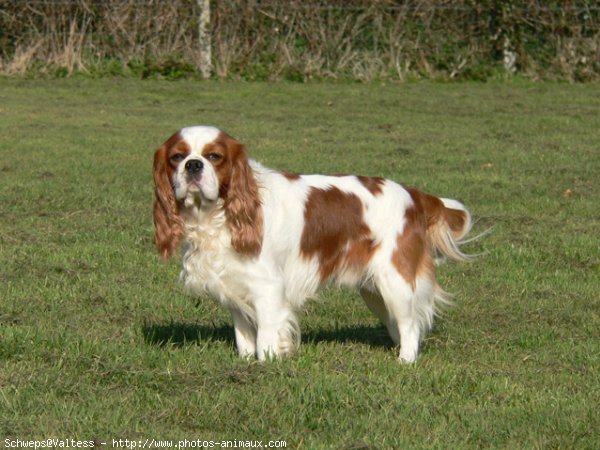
point(301, 40)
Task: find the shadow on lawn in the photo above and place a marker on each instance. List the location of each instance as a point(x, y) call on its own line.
point(180, 334)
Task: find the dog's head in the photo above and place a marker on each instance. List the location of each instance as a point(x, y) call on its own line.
point(196, 170)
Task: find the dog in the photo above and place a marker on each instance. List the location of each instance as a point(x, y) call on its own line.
point(263, 241)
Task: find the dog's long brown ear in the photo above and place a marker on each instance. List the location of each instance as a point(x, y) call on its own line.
point(242, 203)
point(167, 221)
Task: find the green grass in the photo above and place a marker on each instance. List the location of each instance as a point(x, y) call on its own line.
point(98, 342)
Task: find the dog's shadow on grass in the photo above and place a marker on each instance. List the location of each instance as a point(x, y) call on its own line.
point(373, 336)
point(179, 334)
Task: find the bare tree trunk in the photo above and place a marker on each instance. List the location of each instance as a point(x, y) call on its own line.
point(204, 38)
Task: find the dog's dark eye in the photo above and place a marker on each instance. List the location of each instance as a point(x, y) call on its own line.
point(214, 157)
point(177, 157)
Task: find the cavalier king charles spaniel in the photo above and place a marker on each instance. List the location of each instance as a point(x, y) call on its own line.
point(263, 241)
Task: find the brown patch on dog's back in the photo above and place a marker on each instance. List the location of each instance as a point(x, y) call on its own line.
point(291, 176)
point(335, 232)
point(373, 184)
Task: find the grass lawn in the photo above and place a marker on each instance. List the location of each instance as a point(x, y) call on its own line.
point(97, 341)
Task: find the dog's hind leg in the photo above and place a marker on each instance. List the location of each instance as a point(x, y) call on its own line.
point(410, 310)
point(376, 305)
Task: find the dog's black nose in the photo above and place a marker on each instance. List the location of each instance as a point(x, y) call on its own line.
point(194, 166)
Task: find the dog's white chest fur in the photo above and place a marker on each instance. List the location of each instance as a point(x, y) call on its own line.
point(210, 264)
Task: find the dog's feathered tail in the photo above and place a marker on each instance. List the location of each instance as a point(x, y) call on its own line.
point(448, 225)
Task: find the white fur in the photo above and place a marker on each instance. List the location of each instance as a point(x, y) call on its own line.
point(264, 292)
